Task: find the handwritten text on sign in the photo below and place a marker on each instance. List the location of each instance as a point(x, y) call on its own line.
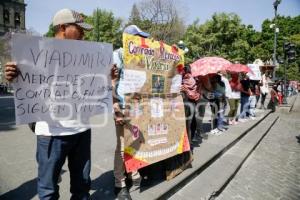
point(61, 79)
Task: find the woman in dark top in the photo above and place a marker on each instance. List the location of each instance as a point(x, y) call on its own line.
point(245, 94)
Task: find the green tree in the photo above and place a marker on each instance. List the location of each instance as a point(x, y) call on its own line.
point(50, 32)
point(135, 17)
point(107, 28)
point(289, 31)
point(224, 35)
point(160, 18)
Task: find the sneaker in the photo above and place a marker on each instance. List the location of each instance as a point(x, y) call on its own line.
point(222, 129)
point(242, 120)
point(122, 194)
point(214, 131)
point(253, 118)
point(219, 132)
point(197, 138)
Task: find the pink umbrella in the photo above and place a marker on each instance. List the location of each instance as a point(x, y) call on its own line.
point(209, 65)
point(237, 68)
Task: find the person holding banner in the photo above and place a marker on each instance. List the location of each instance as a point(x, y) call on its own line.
point(121, 191)
point(191, 96)
point(62, 139)
point(205, 89)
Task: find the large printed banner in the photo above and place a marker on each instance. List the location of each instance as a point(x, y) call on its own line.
point(60, 79)
point(151, 84)
point(151, 67)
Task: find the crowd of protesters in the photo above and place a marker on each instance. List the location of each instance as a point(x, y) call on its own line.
point(223, 93)
point(228, 92)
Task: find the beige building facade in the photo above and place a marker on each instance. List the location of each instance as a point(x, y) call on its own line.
point(12, 16)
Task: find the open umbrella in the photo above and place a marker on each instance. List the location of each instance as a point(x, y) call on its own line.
point(209, 65)
point(237, 68)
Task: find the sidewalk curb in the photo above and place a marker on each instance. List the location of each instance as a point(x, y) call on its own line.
point(293, 103)
point(197, 170)
point(219, 191)
point(287, 108)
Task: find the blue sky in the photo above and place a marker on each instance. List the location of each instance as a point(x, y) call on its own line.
point(39, 12)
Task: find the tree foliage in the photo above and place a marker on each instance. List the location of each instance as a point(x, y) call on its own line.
point(107, 28)
point(289, 31)
point(161, 18)
point(50, 32)
point(223, 35)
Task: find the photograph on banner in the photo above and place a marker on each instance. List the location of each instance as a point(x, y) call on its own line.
point(59, 81)
point(158, 134)
point(136, 108)
point(158, 61)
point(158, 83)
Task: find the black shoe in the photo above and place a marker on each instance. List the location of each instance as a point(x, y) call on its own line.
point(122, 194)
point(196, 137)
point(135, 184)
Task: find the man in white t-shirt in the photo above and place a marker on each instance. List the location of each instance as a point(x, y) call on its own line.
point(264, 90)
point(63, 139)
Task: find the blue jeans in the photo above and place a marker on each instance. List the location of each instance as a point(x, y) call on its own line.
point(221, 113)
point(252, 103)
point(51, 154)
point(217, 108)
point(244, 106)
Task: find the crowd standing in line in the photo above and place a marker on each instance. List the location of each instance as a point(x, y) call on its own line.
point(222, 91)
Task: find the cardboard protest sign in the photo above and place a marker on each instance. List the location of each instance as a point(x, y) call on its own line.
point(159, 61)
point(60, 79)
point(151, 83)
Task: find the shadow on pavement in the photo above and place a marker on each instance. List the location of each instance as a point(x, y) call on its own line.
point(152, 175)
point(25, 191)
point(103, 186)
point(298, 138)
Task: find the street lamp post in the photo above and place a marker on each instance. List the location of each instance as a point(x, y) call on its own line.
point(289, 56)
point(276, 30)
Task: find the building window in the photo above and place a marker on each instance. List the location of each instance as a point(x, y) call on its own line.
point(6, 16)
point(17, 20)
